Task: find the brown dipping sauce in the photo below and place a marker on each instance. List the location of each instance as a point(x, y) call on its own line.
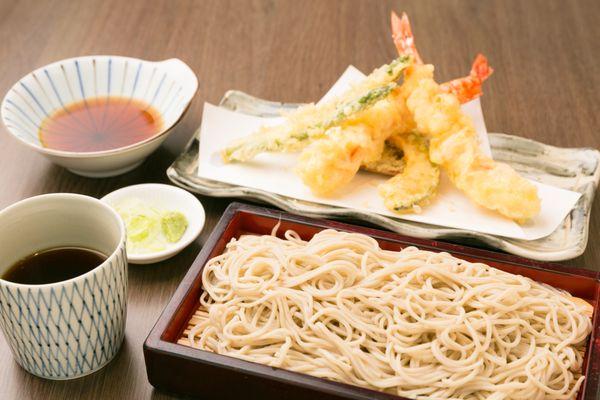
point(54, 265)
point(100, 124)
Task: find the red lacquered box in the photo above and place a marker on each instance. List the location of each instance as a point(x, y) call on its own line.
point(184, 370)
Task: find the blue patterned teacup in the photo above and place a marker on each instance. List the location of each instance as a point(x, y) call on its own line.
point(71, 328)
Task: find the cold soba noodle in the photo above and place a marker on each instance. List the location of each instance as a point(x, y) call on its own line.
point(414, 323)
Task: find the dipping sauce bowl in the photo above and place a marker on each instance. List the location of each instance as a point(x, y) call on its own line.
point(81, 89)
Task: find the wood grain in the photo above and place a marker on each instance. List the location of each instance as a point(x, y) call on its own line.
point(545, 87)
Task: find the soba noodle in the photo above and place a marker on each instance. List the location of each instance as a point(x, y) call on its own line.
point(415, 323)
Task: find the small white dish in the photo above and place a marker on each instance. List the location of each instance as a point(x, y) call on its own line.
point(168, 86)
point(169, 198)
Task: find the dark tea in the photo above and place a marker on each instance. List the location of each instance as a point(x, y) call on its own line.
point(99, 124)
point(54, 265)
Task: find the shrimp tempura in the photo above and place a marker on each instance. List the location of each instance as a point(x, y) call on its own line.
point(454, 146)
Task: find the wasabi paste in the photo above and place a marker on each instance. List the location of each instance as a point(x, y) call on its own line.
point(150, 229)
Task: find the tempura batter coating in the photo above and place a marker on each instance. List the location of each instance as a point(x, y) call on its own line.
point(417, 182)
point(454, 146)
point(331, 162)
point(391, 161)
point(309, 122)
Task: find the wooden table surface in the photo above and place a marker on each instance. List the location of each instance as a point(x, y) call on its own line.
point(545, 87)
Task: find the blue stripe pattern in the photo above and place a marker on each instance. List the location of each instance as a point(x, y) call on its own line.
point(158, 88)
point(137, 77)
point(54, 88)
point(80, 80)
point(34, 98)
point(109, 76)
point(27, 116)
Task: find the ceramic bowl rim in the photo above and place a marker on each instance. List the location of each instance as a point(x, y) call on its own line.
point(77, 197)
point(149, 258)
point(118, 150)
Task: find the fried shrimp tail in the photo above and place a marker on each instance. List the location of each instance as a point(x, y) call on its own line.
point(466, 88)
point(403, 37)
point(469, 87)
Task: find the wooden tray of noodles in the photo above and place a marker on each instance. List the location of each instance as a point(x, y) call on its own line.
point(573, 169)
point(176, 367)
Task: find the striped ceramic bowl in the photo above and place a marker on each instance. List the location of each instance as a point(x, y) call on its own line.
point(168, 86)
